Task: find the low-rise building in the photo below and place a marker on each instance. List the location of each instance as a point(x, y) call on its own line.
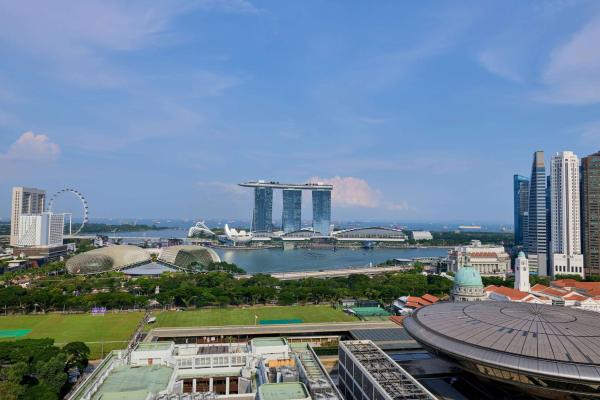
point(262, 369)
point(421, 235)
point(487, 260)
point(406, 305)
point(367, 373)
point(503, 293)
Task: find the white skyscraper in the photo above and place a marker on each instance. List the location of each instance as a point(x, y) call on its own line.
point(522, 273)
point(44, 229)
point(565, 215)
point(24, 201)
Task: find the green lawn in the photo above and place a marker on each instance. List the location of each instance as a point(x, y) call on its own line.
point(245, 316)
point(115, 328)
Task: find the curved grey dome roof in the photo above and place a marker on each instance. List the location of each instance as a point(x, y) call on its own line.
point(112, 258)
point(185, 256)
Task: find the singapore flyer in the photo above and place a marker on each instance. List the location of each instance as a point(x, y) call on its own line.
point(82, 216)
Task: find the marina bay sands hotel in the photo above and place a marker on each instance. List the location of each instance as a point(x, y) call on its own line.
point(262, 218)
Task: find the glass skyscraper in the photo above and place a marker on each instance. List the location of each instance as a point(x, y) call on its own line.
point(262, 219)
point(321, 200)
point(536, 238)
point(292, 210)
point(590, 206)
point(521, 204)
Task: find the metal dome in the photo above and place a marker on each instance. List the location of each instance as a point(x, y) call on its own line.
point(112, 258)
point(468, 276)
point(186, 255)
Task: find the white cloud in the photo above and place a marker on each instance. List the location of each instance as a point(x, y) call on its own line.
point(501, 62)
point(351, 192)
point(76, 39)
point(32, 147)
point(573, 73)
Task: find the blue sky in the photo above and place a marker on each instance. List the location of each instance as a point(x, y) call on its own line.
point(416, 111)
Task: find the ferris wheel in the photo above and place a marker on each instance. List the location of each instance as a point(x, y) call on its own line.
point(84, 205)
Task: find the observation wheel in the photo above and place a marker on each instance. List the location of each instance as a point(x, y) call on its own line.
point(84, 205)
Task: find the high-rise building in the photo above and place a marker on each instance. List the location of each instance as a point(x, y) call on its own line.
point(262, 219)
point(548, 221)
point(24, 201)
point(566, 215)
point(536, 245)
point(291, 218)
point(44, 229)
point(590, 213)
point(321, 200)
point(521, 204)
point(522, 273)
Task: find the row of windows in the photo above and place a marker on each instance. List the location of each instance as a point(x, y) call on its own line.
point(205, 362)
point(564, 268)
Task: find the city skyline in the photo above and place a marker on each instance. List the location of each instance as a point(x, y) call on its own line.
point(423, 116)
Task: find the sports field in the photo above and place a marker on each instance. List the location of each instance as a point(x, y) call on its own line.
point(246, 316)
point(101, 333)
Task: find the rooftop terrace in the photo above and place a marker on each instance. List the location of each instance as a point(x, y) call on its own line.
point(283, 391)
point(134, 383)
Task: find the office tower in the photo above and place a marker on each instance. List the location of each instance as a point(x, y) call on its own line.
point(522, 273)
point(521, 204)
point(321, 200)
point(24, 201)
point(262, 219)
point(566, 216)
point(590, 213)
point(548, 222)
point(536, 238)
point(291, 218)
point(44, 229)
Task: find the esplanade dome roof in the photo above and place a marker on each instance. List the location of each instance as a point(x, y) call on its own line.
point(188, 256)
point(468, 276)
point(111, 258)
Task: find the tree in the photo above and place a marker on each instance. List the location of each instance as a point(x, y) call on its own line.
point(11, 390)
point(40, 392)
point(78, 354)
point(52, 372)
point(16, 372)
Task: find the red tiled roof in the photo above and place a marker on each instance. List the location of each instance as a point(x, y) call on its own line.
point(538, 287)
point(397, 319)
point(530, 299)
point(587, 285)
point(564, 283)
point(593, 292)
point(430, 298)
point(555, 292)
point(413, 304)
point(575, 296)
point(512, 294)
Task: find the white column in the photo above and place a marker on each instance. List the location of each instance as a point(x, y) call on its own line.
point(194, 385)
point(227, 385)
point(210, 385)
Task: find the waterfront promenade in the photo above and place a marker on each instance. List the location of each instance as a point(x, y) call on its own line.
point(333, 273)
